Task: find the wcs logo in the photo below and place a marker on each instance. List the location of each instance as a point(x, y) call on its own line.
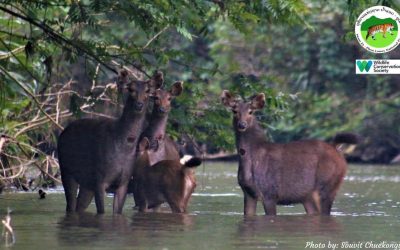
point(364, 65)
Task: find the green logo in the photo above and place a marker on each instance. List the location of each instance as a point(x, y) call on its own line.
point(377, 29)
point(364, 65)
point(379, 33)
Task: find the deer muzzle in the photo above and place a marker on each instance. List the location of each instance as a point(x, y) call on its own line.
point(139, 106)
point(242, 126)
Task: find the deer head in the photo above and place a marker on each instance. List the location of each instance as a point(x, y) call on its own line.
point(139, 90)
point(243, 110)
point(163, 98)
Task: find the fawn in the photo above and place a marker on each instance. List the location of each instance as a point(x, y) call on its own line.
point(166, 181)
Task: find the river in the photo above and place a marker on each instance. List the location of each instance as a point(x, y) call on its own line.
point(366, 213)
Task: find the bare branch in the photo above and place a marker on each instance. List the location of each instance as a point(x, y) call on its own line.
point(3, 140)
point(12, 53)
point(31, 95)
point(155, 37)
point(57, 37)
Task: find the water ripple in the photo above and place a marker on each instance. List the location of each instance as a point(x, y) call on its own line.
point(378, 178)
point(216, 195)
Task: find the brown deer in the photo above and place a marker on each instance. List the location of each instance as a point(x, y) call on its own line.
point(155, 132)
point(166, 181)
point(163, 147)
point(308, 172)
point(98, 154)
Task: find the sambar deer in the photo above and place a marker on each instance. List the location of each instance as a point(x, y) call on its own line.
point(163, 147)
point(98, 154)
point(166, 181)
point(308, 172)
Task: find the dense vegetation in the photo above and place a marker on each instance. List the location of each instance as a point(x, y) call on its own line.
point(59, 59)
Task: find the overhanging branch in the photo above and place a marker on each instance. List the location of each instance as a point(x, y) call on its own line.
point(58, 38)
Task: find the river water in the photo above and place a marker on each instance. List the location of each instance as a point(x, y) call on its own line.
point(366, 215)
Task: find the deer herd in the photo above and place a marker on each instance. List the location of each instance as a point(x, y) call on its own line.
point(109, 155)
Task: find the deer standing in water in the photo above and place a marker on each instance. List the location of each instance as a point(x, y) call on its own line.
point(98, 154)
point(166, 181)
point(162, 146)
point(308, 172)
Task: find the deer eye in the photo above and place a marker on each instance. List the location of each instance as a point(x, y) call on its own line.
point(169, 98)
point(234, 111)
point(250, 112)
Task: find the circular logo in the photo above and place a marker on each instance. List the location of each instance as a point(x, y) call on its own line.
point(377, 29)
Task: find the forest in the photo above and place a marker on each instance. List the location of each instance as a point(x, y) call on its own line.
point(59, 61)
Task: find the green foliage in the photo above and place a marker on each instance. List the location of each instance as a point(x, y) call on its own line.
point(58, 60)
point(318, 65)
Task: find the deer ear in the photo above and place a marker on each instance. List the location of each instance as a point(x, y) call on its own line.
point(123, 73)
point(157, 80)
point(144, 144)
point(131, 86)
point(258, 101)
point(227, 99)
point(177, 88)
point(123, 77)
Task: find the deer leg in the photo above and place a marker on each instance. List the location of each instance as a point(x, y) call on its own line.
point(70, 191)
point(85, 196)
point(138, 197)
point(328, 193)
point(99, 196)
point(175, 203)
point(326, 206)
point(176, 208)
point(135, 199)
point(119, 198)
point(269, 206)
point(327, 198)
point(143, 207)
point(250, 205)
point(312, 204)
point(140, 200)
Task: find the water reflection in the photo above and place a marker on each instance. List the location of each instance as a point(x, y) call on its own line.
point(140, 229)
point(91, 220)
point(162, 221)
point(363, 211)
point(273, 231)
point(86, 228)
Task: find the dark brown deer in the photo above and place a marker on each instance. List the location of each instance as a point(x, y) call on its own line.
point(166, 181)
point(98, 154)
point(308, 172)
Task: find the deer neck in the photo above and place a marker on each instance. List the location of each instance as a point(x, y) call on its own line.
point(253, 135)
point(157, 126)
point(130, 124)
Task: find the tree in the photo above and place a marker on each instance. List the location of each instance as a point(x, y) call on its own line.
point(59, 58)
